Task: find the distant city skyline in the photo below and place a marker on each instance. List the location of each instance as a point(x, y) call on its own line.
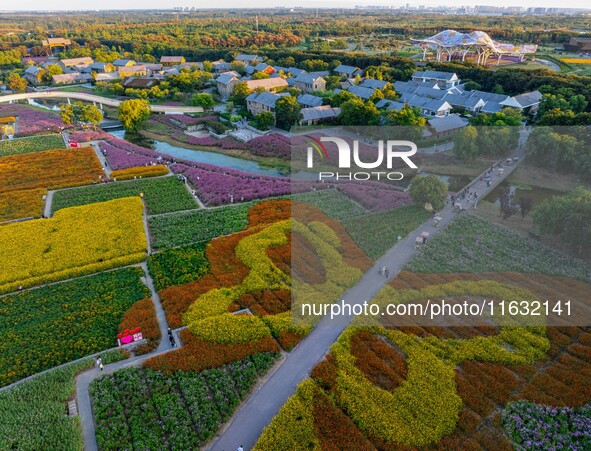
point(39, 5)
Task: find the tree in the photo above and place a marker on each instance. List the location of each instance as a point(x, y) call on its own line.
point(428, 190)
point(134, 113)
point(50, 71)
point(203, 100)
point(16, 83)
point(79, 113)
point(91, 114)
point(406, 116)
point(264, 120)
point(240, 93)
point(259, 76)
point(472, 86)
point(287, 112)
point(568, 217)
point(355, 112)
point(465, 146)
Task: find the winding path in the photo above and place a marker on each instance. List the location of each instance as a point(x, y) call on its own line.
point(257, 412)
point(95, 99)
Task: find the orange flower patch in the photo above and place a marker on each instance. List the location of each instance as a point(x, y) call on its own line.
point(139, 172)
point(198, 355)
point(143, 315)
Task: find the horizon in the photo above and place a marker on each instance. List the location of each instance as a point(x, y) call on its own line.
point(37, 6)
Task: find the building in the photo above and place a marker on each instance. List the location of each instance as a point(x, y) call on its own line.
point(66, 64)
point(109, 76)
point(529, 101)
point(372, 83)
point(252, 60)
point(445, 126)
point(308, 100)
point(172, 60)
point(267, 84)
point(257, 103)
point(444, 80)
point(128, 71)
point(347, 71)
point(102, 68)
point(71, 78)
point(55, 42)
point(318, 115)
point(387, 104)
point(123, 63)
point(308, 83)
point(578, 45)
point(430, 107)
point(140, 82)
point(360, 91)
point(220, 66)
point(225, 84)
point(34, 75)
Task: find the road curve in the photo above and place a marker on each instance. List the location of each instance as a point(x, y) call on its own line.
point(96, 99)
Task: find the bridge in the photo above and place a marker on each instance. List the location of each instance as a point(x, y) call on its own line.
point(168, 109)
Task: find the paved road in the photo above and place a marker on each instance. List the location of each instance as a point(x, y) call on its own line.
point(95, 99)
point(248, 422)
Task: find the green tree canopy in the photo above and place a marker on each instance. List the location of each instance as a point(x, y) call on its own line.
point(134, 113)
point(428, 190)
point(465, 145)
point(287, 112)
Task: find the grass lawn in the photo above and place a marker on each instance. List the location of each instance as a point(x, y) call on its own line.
point(527, 174)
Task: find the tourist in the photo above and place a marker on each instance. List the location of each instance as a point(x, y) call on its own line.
point(240, 448)
point(386, 271)
point(99, 363)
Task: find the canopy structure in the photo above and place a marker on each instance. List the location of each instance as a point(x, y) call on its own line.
point(451, 42)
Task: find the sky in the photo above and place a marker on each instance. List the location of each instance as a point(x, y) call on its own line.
point(42, 5)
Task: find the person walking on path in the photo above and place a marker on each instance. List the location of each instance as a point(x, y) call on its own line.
point(240, 448)
point(386, 271)
point(171, 338)
point(99, 363)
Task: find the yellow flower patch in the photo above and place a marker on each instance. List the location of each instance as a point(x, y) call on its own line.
point(22, 204)
point(139, 172)
point(75, 242)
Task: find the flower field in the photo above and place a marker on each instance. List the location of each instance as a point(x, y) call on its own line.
point(75, 242)
point(140, 172)
point(142, 314)
point(21, 424)
point(55, 324)
point(51, 169)
point(26, 203)
point(161, 195)
point(31, 144)
point(331, 202)
point(32, 121)
point(376, 196)
point(533, 426)
point(376, 233)
point(147, 409)
point(200, 226)
point(472, 245)
point(178, 265)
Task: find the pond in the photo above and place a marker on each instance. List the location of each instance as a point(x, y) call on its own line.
point(201, 156)
point(537, 194)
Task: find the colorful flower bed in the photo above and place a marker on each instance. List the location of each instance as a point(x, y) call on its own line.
point(51, 169)
point(473, 245)
point(199, 226)
point(533, 426)
point(26, 203)
point(32, 413)
point(32, 121)
point(89, 135)
point(55, 324)
point(75, 242)
point(143, 408)
point(331, 202)
point(375, 196)
point(142, 314)
point(376, 233)
point(139, 172)
point(31, 144)
point(121, 154)
point(162, 195)
point(218, 186)
point(178, 265)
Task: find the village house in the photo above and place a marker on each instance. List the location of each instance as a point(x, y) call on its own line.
point(140, 82)
point(308, 100)
point(267, 84)
point(172, 60)
point(372, 83)
point(259, 102)
point(123, 63)
point(252, 60)
point(308, 83)
point(34, 75)
point(225, 84)
point(128, 71)
point(69, 63)
point(102, 68)
point(347, 71)
point(221, 66)
point(443, 79)
point(444, 126)
point(70, 78)
point(318, 115)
